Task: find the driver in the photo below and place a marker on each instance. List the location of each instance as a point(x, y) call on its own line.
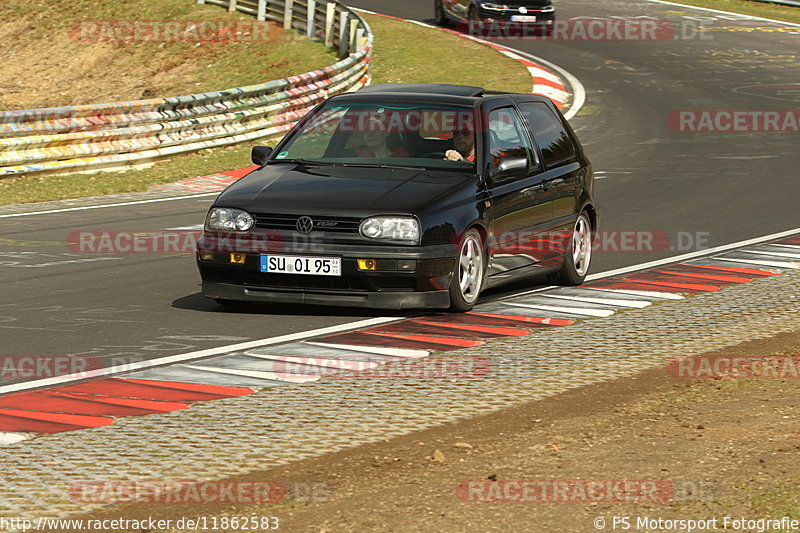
point(376, 141)
point(464, 144)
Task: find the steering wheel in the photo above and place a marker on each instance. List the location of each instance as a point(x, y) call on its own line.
point(434, 155)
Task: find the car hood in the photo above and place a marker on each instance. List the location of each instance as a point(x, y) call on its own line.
point(293, 188)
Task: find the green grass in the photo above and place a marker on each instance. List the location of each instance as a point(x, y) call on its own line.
point(407, 52)
point(750, 7)
point(145, 68)
point(396, 59)
point(778, 502)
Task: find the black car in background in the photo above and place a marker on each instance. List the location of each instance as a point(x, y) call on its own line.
point(539, 12)
point(405, 196)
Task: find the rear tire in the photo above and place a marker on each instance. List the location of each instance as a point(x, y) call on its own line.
point(577, 256)
point(468, 273)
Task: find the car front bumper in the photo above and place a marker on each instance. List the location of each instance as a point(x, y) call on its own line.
point(373, 300)
point(423, 286)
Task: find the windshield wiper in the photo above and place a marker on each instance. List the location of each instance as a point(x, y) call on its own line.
point(300, 160)
point(380, 165)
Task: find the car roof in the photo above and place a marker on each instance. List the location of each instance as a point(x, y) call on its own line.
point(437, 92)
point(425, 88)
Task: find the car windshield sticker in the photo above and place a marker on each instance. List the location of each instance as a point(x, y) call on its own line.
point(282, 155)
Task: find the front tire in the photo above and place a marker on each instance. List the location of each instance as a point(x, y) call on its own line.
point(578, 254)
point(468, 273)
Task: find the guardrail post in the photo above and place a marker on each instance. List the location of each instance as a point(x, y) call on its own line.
point(287, 15)
point(360, 39)
point(311, 18)
point(330, 18)
point(344, 34)
point(262, 10)
point(354, 22)
point(231, 5)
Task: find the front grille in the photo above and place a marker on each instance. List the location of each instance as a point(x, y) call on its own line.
point(321, 223)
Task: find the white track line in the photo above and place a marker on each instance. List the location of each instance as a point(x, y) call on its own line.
point(190, 356)
point(102, 206)
point(693, 255)
point(751, 17)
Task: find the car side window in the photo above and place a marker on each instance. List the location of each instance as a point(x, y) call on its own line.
point(507, 138)
point(549, 133)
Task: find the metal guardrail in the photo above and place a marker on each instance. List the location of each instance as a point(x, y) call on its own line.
point(109, 136)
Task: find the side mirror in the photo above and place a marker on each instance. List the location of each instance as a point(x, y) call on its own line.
point(512, 165)
point(260, 154)
point(508, 166)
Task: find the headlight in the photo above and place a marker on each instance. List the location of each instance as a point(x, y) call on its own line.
point(228, 219)
point(548, 9)
point(497, 7)
point(390, 228)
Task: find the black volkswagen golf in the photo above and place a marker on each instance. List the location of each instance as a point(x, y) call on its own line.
point(405, 196)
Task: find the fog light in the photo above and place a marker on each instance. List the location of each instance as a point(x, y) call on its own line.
point(239, 259)
point(367, 264)
point(207, 256)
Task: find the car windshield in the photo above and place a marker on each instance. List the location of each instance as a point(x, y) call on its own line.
point(387, 133)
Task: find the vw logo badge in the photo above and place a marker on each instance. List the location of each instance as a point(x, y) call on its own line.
point(523, 10)
point(304, 225)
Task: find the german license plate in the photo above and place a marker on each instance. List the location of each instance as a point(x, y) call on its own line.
point(301, 264)
point(523, 18)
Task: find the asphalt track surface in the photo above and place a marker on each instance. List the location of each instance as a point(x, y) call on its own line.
point(722, 187)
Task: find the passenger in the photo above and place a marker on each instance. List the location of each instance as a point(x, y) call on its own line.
point(464, 144)
point(376, 140)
